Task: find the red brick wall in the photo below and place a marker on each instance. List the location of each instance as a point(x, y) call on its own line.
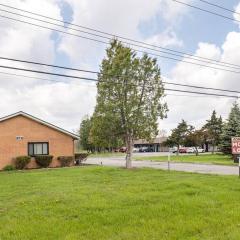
point(60, 144)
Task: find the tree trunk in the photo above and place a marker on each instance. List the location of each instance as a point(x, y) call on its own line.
point(178, 149)
point(213, 147)
point(129, 145)
point(196, 151)
point(235, 158)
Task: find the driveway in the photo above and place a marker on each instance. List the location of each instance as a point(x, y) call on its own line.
point(185, 167)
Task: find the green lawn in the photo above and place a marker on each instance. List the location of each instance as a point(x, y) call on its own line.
point(100, 203)
point(202, 158)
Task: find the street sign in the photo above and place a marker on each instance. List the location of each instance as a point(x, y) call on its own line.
point(235, 145)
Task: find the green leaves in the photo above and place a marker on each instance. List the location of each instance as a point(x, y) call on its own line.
point(84, 133)
point(179, 134)
point(230, 129)
point(130, 92)
point(213, 130)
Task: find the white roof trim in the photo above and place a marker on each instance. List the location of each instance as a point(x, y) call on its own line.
point(39, 121)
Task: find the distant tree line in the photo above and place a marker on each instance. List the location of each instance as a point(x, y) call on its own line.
point(215, 131)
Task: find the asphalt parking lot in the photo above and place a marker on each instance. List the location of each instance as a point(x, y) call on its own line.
point(119, 161)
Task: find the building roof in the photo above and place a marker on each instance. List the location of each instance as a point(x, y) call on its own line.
point(157, 140)
point(21, 113)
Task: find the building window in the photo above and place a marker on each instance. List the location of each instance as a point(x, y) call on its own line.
point(38, 149)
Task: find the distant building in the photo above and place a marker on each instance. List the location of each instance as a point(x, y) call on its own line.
point(155, 145)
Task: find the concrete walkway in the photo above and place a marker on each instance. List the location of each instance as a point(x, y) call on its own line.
point(185, 167)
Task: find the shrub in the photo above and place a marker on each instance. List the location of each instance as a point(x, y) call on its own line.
point(81, 157)
point(43, 160)
point(65, 161)
point(22, 161)
point(9, 168)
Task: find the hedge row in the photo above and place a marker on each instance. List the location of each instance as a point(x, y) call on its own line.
point(44, 161)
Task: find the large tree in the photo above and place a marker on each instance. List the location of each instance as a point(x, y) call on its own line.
point(179, 135)
point(230, 129)
point(129, 98)
point(213, 129)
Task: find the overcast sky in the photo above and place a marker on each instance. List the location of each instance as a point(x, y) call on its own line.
point(161, 22)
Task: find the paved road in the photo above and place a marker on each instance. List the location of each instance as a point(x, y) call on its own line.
point(185, 167)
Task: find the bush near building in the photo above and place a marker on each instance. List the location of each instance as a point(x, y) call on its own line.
point(65, 161)
point(44, 160)
point(21, 162)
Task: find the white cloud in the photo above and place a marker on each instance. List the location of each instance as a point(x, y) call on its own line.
point(61, 103)
point(164, 39)
point(197, 109)
point(237, 10)
point(117, 17)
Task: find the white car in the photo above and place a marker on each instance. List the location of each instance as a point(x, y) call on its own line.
point(193, 150)
point(135, 150)
point(173, 149)
point(200, 150)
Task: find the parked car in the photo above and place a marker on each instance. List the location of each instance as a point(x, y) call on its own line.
point(201, 150)
point(143, 149)
point(183, 150)
point(123, 149)
point(146, 149)
point(173, 149)
point(191, 150)
point(135, 149)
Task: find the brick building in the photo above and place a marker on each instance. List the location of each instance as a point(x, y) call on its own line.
point(23, 134)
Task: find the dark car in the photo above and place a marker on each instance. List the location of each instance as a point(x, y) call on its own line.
point(146, 149)
point(182, 150)
point(123, 149)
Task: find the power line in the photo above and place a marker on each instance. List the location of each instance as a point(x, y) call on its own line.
point(199, 87)
point(201, 93)
point(193, 96)
point(116, 35)
point(58, 81)
point(45, 79)
point(141, 51)
point(96, 80)
point(191, 56)
point(207, 11)
point(109, 38)
point(48, 73)
point(47, 65)
point(218, 6)
point(96, 72)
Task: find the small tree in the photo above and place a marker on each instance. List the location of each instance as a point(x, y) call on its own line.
point(84, 132)
point(230, 129)
point(106, 136)
point(195, 139)
point(179, 135)
point(213, 128)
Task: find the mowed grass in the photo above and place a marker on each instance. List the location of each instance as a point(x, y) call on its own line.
point(202, 158)
point(112, 203)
